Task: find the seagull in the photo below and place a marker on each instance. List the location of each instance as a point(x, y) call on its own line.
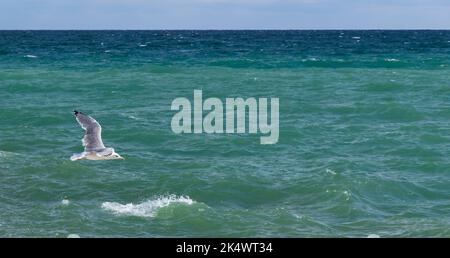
point(92, 141)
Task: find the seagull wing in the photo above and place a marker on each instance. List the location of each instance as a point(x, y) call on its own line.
point(92, 139)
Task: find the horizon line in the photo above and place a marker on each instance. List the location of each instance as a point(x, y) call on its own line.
point(246, 29)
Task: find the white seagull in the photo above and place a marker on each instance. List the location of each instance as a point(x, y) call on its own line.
point(92, 141)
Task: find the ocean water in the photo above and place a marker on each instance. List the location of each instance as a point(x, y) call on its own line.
point(363, 151)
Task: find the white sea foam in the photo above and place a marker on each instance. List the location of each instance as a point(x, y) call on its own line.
point(347, 195)
point(65, 202)
point(310, 59)
point(373, 236)
point(297, 216)
point(356, 37)
point(127, 115)
point(30, 56)
point(391, 60)
point(73, 236)
point(7, 154)
point(148, 208)
point(330, 171)
point(142, 45)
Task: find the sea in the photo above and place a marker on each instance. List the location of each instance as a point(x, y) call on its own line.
point(363, 149)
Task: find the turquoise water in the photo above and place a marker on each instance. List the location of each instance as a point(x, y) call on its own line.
point(364, 141)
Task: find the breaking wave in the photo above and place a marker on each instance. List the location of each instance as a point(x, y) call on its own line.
point(147, 208)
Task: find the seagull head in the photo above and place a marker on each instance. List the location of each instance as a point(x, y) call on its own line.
point(116, 156)
point(111, 154)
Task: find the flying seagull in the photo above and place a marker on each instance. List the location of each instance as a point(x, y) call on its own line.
point(92, 140)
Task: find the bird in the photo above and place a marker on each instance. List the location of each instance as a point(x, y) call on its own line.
point(92, 141)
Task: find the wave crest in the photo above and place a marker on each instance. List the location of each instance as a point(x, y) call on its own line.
point(148, 208)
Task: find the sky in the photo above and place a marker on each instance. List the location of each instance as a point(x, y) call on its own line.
point(224, 14)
